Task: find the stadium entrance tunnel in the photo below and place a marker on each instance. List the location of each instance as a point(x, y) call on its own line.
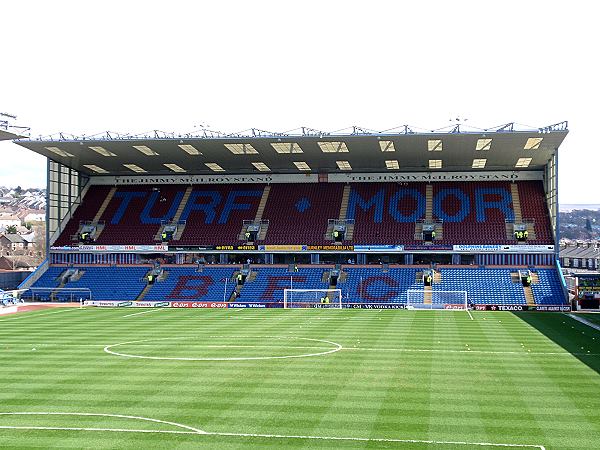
point(223, 348)
point(580, 340)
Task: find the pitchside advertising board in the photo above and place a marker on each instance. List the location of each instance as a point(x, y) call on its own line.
point(549, 308)
point(398, 248)
point(237, 305)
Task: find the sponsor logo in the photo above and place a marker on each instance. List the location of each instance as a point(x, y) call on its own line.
point(374, 305)
point(246, 305)
point(235, 247)
point(511, 308)
point(198, 305)
point(124, 304)
point(335, 248)
point(553, 308)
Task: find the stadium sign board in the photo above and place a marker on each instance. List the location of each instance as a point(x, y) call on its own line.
point(503, 248)
point(406, 177)
point(548, 308)
point(113, 248)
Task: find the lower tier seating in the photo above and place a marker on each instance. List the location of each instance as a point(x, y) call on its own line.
point(359, 285)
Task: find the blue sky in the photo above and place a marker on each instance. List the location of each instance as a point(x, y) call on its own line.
point(86, 67)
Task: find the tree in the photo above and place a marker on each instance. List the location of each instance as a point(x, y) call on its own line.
point(11, 229)
point(588, 225)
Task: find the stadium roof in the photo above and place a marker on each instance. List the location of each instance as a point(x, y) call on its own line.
point(357, 150)
point(9, 131)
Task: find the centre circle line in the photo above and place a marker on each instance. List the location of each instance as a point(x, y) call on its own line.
point(336, 348)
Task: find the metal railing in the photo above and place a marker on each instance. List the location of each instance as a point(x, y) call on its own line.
point(50, 294)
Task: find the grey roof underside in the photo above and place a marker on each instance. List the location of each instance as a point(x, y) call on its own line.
point(364, 153)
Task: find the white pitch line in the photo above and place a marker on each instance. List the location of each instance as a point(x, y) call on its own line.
point(144, 312)
point(33, 316)
point(114, 430)
point(280, 436)
point(359, 439)
point(470, 315)
point(119, 416)
point(485, 352)
point(194, 431)
point(584, 321)
point(336, 348)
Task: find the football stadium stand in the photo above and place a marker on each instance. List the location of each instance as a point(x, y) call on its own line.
point(238, 219)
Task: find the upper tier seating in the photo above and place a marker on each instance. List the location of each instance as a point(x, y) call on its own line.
point(85, 211)
point(299, 213)
point(533, 206)
point(384, 213)
point(470, 211)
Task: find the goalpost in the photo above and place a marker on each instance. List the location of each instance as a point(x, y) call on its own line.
point(312, 298)
point(421, 299)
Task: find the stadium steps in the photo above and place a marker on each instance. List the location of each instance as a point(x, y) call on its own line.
point(163, 276)
point(56, 290)
point(235, 294)
point(242, 235)
point(142, 294)
point(514, 191)
point(510, 235)
point(77, 275)
point(428, 203)
point(427, 295)
point(104, 204)
point(262, 231)
point(439, 231)
point(349, 232)
point(329, 233)
point(345, 200)
point(262, 204)
point(529, 295)
point(531, 231)
point(100, 227)
point(418, 231)
point(177, 216)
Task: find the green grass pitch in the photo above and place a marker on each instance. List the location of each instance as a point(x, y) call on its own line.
point(310, 378)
